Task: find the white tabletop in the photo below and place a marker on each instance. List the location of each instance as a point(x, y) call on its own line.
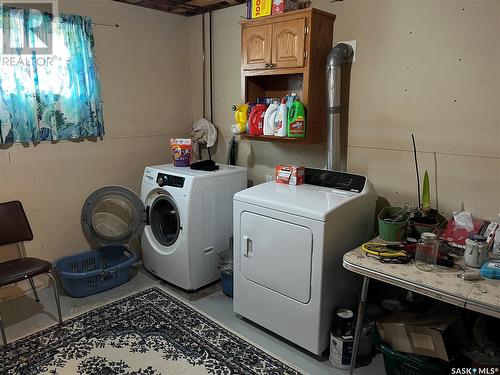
point(442, 283)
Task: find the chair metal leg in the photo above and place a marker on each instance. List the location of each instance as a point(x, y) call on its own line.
point(56, 295)
point(2, 330)
point(32, 283)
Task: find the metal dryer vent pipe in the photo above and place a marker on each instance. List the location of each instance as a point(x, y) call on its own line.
point(340, 54)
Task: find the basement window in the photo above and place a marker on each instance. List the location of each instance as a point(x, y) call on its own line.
point(49, 84)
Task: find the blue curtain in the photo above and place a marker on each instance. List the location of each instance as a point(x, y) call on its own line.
point(49, 97)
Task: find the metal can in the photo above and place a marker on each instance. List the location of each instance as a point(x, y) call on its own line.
point(341, 351)
point(343, 322)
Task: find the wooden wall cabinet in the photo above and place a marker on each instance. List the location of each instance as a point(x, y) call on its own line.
point(288, 43)
point(257, 47)
point(285, 54)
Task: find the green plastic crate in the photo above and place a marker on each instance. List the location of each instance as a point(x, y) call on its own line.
point(397, 363)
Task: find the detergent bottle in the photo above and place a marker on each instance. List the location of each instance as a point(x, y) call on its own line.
point(280, 122)
point(270, 116)
point(297, 120)
point(290, 99)
point(256, 120)
point(250, 108)
point(241, 118)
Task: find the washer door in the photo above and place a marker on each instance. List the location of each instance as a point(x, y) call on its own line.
point(113, 215)
point(164, 219)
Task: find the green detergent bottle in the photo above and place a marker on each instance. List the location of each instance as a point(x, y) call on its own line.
point(297, 120)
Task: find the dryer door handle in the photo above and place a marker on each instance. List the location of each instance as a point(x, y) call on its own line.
point(247, 246)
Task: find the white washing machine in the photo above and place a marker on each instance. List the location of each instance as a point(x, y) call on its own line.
point(288, 247)
point(190, 221)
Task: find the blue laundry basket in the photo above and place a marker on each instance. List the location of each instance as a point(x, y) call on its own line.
point(95, 271)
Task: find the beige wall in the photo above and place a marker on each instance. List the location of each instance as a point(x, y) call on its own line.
point(439, 51)
point(430, 67)
point(147, 99)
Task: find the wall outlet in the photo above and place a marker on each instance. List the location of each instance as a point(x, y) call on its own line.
point(353, 44)
point(269, 178)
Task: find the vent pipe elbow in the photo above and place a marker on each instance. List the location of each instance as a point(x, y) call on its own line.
point(340, 54)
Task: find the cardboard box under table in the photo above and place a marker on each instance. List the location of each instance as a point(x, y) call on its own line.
point(438, 337)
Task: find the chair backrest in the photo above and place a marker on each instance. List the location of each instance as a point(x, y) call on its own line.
point(14, 225)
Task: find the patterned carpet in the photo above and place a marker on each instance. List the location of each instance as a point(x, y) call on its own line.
point(150, 333)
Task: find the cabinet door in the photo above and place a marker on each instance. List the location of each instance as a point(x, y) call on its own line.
point(257, 47)
point(288, 43)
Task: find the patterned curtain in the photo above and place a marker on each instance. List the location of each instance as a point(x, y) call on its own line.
point(48, 96)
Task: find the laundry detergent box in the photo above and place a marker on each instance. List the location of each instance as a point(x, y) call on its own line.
point(181, 151)
point(281, 6)
point(290, 174)
point(261, 8)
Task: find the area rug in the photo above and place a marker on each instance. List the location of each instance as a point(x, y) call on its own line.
point(150, 332)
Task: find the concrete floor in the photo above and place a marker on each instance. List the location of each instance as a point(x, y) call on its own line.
point(23, 316)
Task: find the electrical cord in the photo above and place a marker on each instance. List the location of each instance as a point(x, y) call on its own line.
point(391, 259)
point(386, 253)
point(380, 249)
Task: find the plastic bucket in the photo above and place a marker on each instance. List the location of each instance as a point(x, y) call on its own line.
point(227, 282)
point(397, 363)
point(390, 230)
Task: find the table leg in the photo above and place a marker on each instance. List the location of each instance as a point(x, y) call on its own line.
point(359, 322)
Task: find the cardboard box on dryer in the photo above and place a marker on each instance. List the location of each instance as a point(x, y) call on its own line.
point(281, 6)
point(290, 174)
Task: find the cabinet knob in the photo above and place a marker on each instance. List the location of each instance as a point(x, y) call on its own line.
point(268, 65)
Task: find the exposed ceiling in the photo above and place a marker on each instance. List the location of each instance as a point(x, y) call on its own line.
point(184, 7)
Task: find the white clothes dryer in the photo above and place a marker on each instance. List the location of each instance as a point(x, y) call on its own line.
point(288, 247)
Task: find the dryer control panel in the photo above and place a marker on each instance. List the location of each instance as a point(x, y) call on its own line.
point(169, 180)
point(335, 180)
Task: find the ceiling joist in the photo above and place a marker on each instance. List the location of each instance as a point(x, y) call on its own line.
point(184, 7)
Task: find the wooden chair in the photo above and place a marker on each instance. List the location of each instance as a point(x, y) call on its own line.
point(15, 228)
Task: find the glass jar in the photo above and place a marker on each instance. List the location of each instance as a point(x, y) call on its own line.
point(426, 252)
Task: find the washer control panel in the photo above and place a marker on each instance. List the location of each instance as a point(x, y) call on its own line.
point(169, 180)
